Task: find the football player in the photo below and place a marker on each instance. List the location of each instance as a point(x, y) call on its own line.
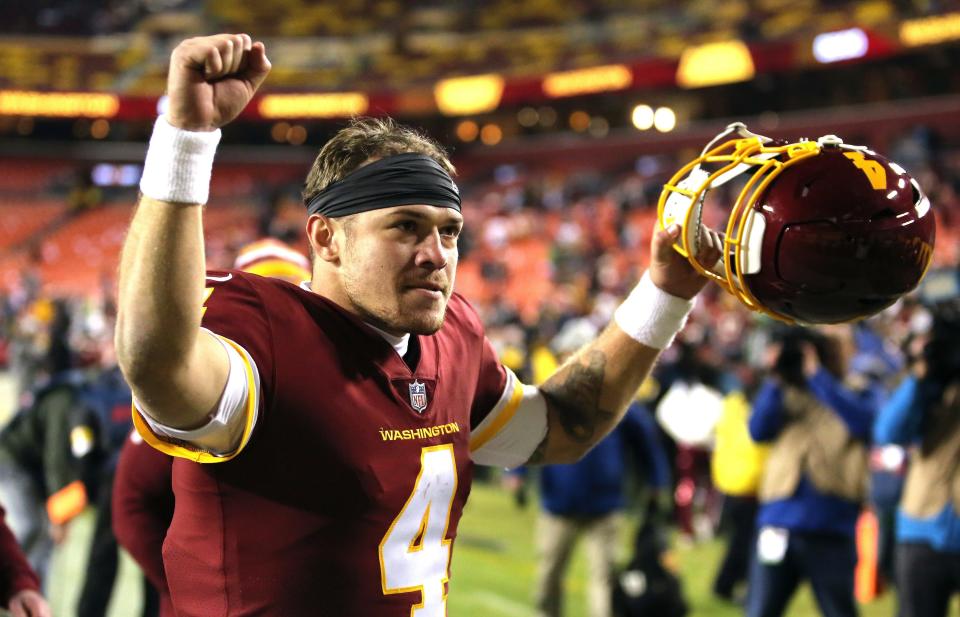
point(143, 499)
point(326, 433)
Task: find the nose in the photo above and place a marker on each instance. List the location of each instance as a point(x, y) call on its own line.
point(431, 253)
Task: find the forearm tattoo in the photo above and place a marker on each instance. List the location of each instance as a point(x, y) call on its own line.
point(574, 395)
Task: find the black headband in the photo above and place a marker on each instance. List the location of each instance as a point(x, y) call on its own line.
point(399, 180)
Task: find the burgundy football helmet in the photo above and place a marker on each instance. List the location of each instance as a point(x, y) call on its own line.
point(822, 231)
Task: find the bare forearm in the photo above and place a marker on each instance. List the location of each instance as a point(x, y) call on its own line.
point(176, 372)
point(590, 393)
point(161, 285)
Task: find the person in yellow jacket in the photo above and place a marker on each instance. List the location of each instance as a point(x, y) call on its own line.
point(736, 467)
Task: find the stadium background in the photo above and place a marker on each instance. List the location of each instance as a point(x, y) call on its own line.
point(564, 118)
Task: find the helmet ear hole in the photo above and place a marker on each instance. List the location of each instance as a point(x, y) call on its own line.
point(917, 194)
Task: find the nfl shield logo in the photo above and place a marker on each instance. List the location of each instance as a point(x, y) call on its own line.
point(418, 396)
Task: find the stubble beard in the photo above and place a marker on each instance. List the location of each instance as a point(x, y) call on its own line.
point(401, 321)
point(393, 318)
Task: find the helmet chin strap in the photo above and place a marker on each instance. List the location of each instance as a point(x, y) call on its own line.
point(733, 131)
point(738, 129)
point(678, 205)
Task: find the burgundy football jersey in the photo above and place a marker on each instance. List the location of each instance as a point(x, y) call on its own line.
point(346, 499)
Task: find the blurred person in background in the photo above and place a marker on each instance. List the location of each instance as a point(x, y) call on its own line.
point(688, 412)
point(815, 478)
point(736, 468)
point(60, 451)
point(587, 499)
point(47, 458)
point(39, 342)
point(924, 415)
point(107, 398)
point(143, 500)
point(19, 584)
point(879, 365)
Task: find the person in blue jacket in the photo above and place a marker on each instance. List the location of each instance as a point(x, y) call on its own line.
point(815, 478)
point(586, 500)
point(924, 414)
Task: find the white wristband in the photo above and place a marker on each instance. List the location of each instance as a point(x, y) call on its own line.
point(178, 164)
point(651, 316)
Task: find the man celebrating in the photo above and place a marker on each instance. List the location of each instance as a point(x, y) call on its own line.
point(326, 433)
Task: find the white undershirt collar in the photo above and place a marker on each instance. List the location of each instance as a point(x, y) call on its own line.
point(399, 343)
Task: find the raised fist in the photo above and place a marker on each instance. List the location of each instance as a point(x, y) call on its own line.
point(212, 78)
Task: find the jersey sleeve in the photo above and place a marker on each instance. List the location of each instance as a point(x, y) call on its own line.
point(234, 311)
point(493, 382)
point(508, 419)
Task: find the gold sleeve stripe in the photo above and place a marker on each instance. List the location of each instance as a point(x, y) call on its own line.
point(193, 454)
point(67, 503)
point(477, 441)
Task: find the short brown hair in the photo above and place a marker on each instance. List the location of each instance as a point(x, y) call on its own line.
point(365, 139)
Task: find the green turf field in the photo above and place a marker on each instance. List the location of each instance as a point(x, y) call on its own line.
point(493, 569)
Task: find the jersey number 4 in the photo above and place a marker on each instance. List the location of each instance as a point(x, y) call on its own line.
point(415, 552)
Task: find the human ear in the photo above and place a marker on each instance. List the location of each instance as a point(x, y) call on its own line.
point(326, 237)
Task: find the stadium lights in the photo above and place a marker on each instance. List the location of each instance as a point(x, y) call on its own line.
point(930, 30)
point(587, 81)
point(99, 129)
point(664, 119)
point(642, 117)
point(297, 135)
point(528, 117)
point(599, 127)
point(714, 64)
point(548, 116)
point(467, 130)
point(58, 104)
point(840, 45)
point(464, 96)
point(579, 121)
point(491, 134)
point(327, 105)
point(278, 132)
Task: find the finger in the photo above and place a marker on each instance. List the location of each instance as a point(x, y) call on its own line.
point(237, 43)
point(227, 52)
point(662, 243)
point(258, 66)
point(711, 249)
point(197, 54)
point(245, 44)
point(212, 62)
point(42, 609)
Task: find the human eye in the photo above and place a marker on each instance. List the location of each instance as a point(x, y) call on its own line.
point(450, 231)
point(405, 225)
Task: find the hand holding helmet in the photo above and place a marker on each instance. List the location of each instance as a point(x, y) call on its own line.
point(821, 232)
